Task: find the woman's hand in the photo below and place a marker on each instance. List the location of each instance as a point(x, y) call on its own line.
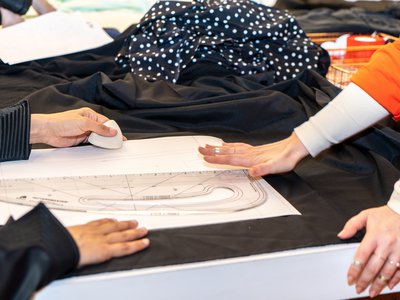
point(104, 239)
point(377, 260)
point(272, 158)
point(68, 128)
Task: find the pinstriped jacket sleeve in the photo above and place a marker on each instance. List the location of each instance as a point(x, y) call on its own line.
point(14, 132)
point(34, 250)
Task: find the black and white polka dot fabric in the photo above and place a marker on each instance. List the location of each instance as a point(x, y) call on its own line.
point(239, 35)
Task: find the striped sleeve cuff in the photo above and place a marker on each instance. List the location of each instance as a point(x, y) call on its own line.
point(14, 132)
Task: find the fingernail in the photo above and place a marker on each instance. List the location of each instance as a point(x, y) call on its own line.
point(372, 294)
point(340, 233)
point(146, 242)
point(359, 289)
point(350, 280)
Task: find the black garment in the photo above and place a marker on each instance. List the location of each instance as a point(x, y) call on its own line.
point(328, 190)
point(249, 109)
point(354, 20)
point(336, 4)
point(19, 7)
point(34, 250)
point(240, 36)
point(15, 129)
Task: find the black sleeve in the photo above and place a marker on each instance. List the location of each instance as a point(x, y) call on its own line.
point(19, 7)
point(34, 250)
point(15, 131)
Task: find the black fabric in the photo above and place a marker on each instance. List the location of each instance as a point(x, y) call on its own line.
point(18, 81)
point(354, 20)
point(238, 35)
point(19, 7)
point(15, 128)
point(304, 4)
point(327, 190)
point(336, 4)
point(34, 250)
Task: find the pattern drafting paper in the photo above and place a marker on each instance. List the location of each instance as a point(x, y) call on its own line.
point(162, 182)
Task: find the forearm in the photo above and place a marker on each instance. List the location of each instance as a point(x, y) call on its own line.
point(38, 128)
point(34, 250)
point(14, 128)
point(352, 111)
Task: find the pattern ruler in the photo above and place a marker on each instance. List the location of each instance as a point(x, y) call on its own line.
point(201, 192)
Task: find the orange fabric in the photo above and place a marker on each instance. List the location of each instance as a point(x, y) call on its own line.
point(380, 78)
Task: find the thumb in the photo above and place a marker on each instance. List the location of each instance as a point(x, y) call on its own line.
point(353, 225)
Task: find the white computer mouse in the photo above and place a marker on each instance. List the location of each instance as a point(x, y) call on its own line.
point(107, 142)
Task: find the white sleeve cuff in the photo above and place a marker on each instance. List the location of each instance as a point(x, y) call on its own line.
point(352, 111)
point(394, 201)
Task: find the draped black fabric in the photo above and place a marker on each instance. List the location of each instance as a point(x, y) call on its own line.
point(337, 4)
point(20, 80)
point(34, 250)
point(355, 175)
point(327, 190)
point(239, 35)
point(355, 20)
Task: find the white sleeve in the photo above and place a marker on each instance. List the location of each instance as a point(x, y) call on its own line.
point(394, 201)
point(352, 111)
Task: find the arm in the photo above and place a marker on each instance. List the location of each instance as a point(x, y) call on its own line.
point(37, 249)
point(377, 259)
point(352, 111)
point(373, 95)
point(33, 251)
point(19, 129)
point(380, 78)
point(68, 128)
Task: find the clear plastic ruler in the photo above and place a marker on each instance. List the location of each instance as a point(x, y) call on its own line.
point(199, 192)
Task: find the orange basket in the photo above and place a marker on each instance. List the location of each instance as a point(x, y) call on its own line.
point(345, 61)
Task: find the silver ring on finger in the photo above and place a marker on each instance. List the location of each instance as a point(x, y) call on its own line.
point(356, 263)
point(394, 263)
point(217, 150)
